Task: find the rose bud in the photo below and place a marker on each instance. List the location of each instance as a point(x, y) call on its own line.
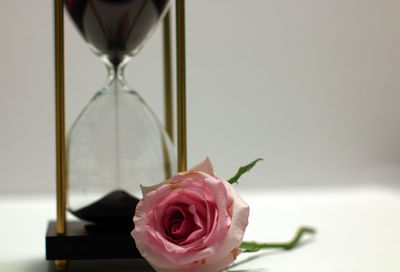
point(195, 221)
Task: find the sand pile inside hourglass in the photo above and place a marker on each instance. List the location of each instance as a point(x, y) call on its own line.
point(115, 29)
point(117, 207)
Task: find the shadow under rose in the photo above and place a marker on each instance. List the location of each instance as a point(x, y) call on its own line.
point(248, 259)
point(248, 270)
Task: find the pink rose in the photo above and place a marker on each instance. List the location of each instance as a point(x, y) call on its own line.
point(194, 221)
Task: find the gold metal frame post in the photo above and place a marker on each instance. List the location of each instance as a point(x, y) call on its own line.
point(169, 125)
point(60, 123)
point(181, 84)
point(60, 115)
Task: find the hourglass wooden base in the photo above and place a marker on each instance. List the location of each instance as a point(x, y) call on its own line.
point(83, 241)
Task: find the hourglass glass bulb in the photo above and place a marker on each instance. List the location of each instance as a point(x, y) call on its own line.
point(117, 143)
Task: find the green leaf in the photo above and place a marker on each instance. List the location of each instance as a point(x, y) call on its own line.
point(243, 170)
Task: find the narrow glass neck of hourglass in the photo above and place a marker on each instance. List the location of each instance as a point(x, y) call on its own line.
point(116, 75)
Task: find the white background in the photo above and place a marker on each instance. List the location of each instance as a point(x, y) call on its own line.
point(311, 86)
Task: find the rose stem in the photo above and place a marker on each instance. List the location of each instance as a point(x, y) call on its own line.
point(254, 246)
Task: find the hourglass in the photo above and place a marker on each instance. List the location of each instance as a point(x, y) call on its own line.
point(117, 143)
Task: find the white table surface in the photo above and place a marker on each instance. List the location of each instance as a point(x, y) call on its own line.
point(358, 231)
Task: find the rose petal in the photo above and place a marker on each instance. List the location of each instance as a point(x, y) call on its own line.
point(193, 222)
point(204, 166)
point(148, 189)
point(239, 222)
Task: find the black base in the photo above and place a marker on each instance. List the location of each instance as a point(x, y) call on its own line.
point(84, 242)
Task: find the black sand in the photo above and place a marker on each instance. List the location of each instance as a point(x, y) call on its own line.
point(116, 208)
